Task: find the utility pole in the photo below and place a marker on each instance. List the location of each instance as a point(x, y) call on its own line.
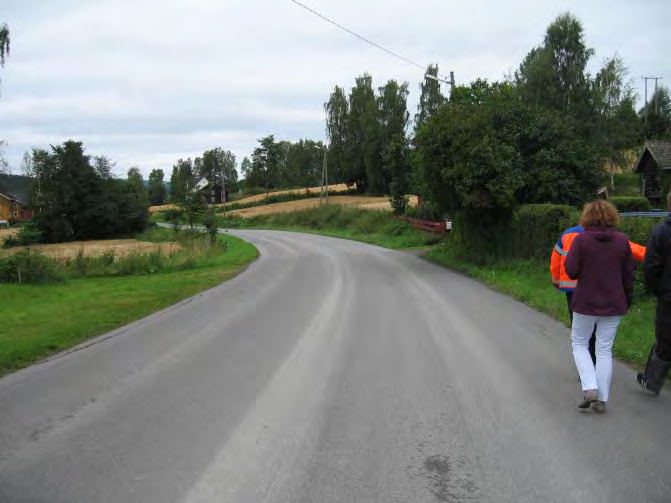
point(324, 190)
point(646, 79)
point(451, 81)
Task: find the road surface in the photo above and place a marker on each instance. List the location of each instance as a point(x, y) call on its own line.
point(330, 371)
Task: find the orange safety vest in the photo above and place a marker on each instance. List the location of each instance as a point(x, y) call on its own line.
point(560, 278)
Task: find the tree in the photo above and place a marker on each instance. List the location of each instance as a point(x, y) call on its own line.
point(393, 119)
point(266, 163)
point(72, 201)
point(362, 152)
point(103, 166)
point(337, 119)
point(246, 169)
point(219, 167)
point(4, 52)
point(497, 151)
point(181, 180)
point(430, 99)
point(4, 43)
point(157, 189)
point(616, 125)
point(553, 75)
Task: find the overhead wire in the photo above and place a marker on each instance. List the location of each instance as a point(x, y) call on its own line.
point(376, 45)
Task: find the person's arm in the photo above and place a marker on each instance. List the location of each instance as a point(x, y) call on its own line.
point(654, 262)
point(573, 262)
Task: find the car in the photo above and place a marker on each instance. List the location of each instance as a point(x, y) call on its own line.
point(4, 223)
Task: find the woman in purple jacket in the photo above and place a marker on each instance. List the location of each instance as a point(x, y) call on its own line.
point(601, 260)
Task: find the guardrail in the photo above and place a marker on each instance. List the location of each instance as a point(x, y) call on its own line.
point(648, 214)
point(428, 225)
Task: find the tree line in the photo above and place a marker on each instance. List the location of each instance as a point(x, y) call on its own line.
point(543, 134)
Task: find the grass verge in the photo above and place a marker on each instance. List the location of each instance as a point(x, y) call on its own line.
point(369, 226)
point(40, 320)
point(529, 282)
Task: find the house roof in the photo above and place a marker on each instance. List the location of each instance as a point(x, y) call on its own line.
point(11, 197)
point(660, 152)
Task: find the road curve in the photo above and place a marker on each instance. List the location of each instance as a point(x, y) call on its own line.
point(330, 371)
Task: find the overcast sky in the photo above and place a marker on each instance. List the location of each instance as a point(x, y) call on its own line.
point(146, 82)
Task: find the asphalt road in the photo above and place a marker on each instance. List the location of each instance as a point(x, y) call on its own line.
point(330, 371)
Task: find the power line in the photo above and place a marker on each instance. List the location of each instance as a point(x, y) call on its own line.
point(378, 46)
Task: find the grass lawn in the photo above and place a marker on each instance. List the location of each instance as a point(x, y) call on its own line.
point(40, 320)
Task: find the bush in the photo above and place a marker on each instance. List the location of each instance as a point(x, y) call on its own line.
point(536, 227)
point(30, 267)
point(625, 204)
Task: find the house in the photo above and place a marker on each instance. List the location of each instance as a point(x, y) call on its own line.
point(12, 208)
point(214, 193)
point(653, 160)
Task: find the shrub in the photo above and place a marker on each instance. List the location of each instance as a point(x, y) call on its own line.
point(536, 228)
point(28, 266)
point(625, 204)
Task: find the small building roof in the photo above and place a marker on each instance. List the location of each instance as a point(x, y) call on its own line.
point(11, 197)
point(660, 152)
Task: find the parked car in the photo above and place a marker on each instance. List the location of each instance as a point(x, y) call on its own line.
point(4, 223)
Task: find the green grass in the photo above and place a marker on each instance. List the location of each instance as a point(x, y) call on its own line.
point(38, 321)
point(369, 226)
point(529, 282)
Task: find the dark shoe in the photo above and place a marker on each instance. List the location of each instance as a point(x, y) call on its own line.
point(653, 378)
point(599, 406)
point(588, 399)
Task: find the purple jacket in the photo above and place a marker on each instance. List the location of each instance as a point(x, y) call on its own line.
point(601, 261)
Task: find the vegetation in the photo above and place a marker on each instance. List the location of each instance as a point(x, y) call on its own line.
point(529, 282)
point(369, 226)
point(74, 199)
point(39, 320)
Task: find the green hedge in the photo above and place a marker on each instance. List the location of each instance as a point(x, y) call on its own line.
point(536, 227)
point(624, 204)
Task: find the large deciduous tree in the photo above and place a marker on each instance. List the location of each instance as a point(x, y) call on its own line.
point(182, 179)
point(157, 189)
point(337, 120)
point(393, 120)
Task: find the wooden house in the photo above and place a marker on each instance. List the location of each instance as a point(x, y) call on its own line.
point(13, 209)
point(652, 161)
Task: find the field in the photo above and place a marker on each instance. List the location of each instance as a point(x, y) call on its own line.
point(63, 251)
point(365, 202)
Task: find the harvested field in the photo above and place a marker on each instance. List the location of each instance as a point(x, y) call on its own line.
point(369, 203)
point(341, 187)
point(120, 248)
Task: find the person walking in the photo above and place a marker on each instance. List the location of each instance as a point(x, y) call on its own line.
point(657, 276)
point(561, 280)
point(601, 260)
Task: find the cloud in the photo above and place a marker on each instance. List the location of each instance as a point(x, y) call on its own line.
point(148, 82)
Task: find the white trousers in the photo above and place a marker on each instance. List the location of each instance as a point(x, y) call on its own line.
point(592, 377)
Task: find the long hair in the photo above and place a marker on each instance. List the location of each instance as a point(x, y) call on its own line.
point(599, 213)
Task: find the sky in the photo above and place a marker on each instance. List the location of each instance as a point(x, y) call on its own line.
point(147, 82)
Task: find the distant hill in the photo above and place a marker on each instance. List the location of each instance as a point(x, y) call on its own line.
point(16, 185)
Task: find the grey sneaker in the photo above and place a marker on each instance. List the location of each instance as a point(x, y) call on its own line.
point(599, 406)
point(587, 401)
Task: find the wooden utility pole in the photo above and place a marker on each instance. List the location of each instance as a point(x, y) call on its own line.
point(646, 79)
point(324, 190)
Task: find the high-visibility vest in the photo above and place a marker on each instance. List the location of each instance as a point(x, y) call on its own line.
point(558, 259)
point(557, 262)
